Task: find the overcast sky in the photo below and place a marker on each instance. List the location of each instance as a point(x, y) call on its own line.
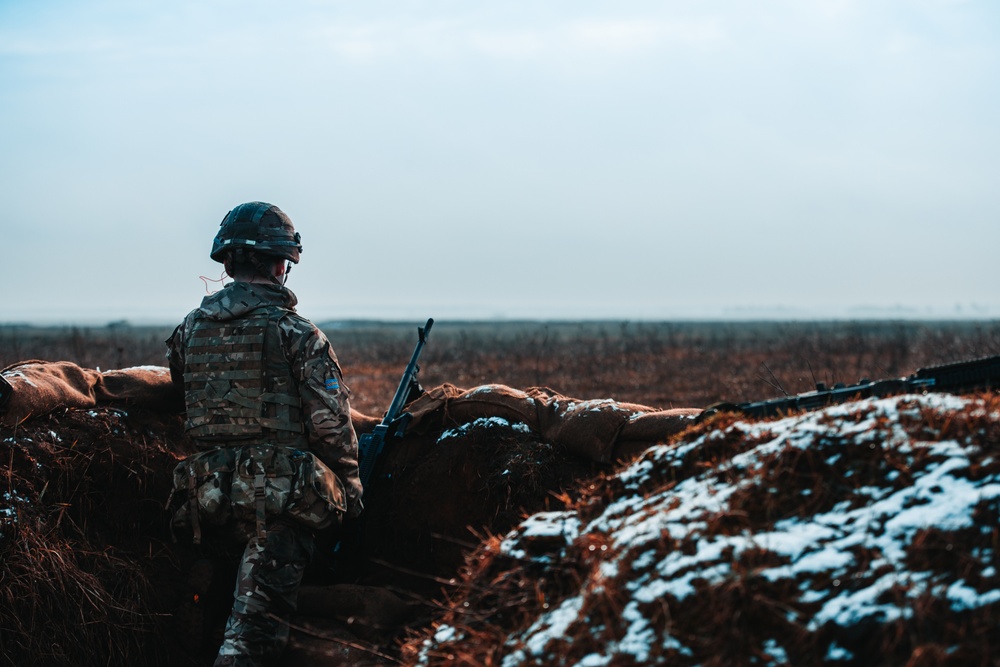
point(456, 159)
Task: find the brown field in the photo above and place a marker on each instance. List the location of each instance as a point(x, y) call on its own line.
point(661, 364)
point(104, 474)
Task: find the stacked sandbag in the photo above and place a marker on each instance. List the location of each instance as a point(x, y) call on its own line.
point(599, 430)
point(41, 387)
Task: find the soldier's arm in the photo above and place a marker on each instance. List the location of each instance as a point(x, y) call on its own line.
point(327, 409)
point(175, 356)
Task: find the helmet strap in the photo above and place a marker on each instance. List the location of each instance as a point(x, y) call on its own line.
point(265, 270)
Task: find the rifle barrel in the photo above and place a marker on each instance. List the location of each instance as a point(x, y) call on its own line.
point(370, 444)
point(399, 399)
point(962, 376)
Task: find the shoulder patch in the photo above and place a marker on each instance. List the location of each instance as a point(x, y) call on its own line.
point(332, 384)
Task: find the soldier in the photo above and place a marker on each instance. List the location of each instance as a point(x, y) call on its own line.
point(267, 406)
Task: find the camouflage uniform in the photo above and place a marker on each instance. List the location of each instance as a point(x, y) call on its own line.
point(297, 400)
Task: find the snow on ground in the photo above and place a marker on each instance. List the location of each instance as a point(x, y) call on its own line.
point(484, 422)
point(827, 537)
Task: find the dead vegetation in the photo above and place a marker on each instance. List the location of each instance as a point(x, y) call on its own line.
point(83, 545)
point(86, 554)
point(662, 364)
point(717, 586)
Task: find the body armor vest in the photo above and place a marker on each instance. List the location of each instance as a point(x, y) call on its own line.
point(238, 385)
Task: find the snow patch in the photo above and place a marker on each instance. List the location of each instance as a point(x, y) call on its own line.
point(484, 422)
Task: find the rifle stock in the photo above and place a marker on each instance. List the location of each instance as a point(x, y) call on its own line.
point(395, 421)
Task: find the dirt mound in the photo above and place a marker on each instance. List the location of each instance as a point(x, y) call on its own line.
point(862, 534)
point(84, 550)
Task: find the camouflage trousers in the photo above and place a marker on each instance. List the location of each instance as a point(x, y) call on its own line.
point(266, 595)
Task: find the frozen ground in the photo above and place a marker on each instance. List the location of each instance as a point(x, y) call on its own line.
point(861, 534)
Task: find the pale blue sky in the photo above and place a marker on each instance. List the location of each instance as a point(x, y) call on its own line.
point(520, 159)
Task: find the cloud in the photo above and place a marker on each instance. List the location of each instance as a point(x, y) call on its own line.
point(12, 45)
point(468, 36)
point(635, 35)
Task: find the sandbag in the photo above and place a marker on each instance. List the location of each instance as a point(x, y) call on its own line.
point(145, 386)
point(40, 387)
point(600, 430)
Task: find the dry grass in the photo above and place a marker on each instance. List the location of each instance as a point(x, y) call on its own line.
point(659, 364)
point(82, 542)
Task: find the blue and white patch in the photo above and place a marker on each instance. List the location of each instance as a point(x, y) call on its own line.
point(332, 384)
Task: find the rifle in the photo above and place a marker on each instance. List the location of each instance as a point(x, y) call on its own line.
point(961, 377)
point(395, 421)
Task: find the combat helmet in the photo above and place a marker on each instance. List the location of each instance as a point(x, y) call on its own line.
point(260, 228)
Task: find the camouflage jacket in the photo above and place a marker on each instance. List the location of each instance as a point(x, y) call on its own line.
point(312, 365)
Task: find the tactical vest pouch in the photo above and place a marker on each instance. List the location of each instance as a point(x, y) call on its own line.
point(205, 481)
point(254, 483)
point(273, 481)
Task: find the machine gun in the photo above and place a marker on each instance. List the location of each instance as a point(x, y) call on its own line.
point(961, 377)
point(395, 421)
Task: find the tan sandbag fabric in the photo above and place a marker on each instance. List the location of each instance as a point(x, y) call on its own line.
point(599, 430)
point(363, 423)
point(39, 387)
point(145, 386)
point(646, 428)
